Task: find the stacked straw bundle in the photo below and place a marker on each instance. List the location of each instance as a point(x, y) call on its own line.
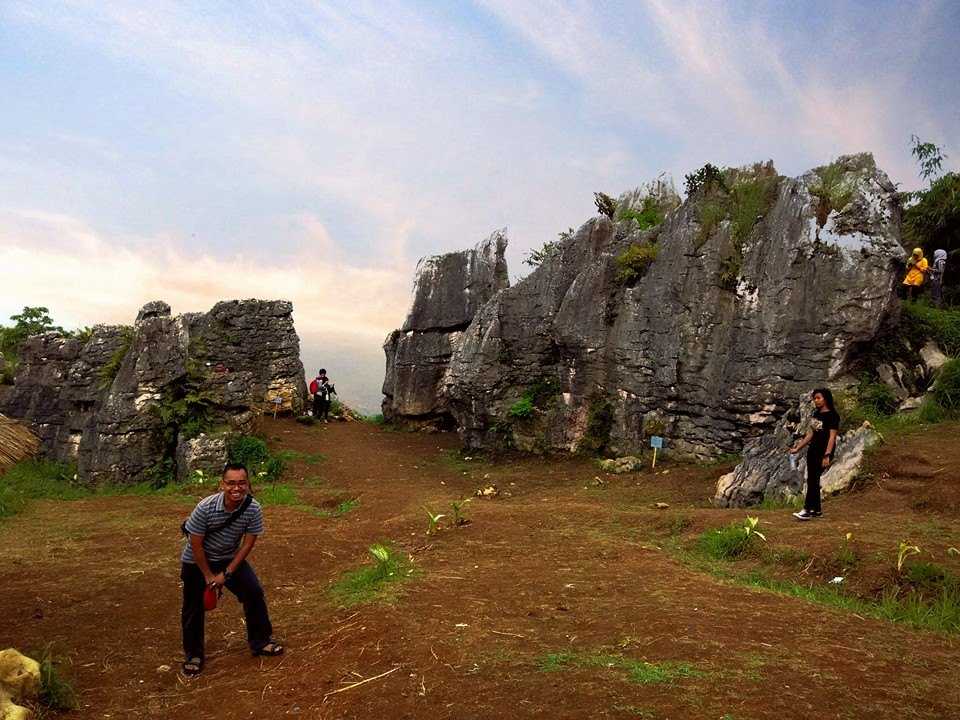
point(16, 443)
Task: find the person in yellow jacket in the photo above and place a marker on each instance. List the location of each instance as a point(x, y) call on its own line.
point(917, 267)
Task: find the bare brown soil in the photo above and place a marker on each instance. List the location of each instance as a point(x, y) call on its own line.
point(558, 562)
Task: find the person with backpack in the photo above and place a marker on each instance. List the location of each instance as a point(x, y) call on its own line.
point(221, 531)
point(315, 391)
point(324, 393)
point(936, 276)
point(917, 269)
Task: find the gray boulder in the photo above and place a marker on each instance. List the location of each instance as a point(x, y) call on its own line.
point(119, 404)
point(448, 291)
point(765, 472)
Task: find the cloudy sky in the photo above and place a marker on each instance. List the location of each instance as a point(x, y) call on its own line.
point(314, 150)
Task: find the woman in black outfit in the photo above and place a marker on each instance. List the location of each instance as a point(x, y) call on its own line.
point(822, 439)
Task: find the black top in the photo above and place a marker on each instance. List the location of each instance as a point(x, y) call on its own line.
point(822, 423)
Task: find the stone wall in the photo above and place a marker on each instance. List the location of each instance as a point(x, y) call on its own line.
point(119, 403)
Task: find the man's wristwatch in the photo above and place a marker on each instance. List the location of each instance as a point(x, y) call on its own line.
point(227, 575)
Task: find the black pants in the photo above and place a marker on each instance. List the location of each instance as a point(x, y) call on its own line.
point(321, 407)
point(244, 584)
point(814, 470)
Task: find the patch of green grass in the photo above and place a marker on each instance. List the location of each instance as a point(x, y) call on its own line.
point(373, 583)
point(253, 453)
point(936, 612)
point(638, 671)
point(377, 419)
point(291, 455)
point(780, 503)
point(724, 543)
point(276, 494)
point(36, 479)
point(750, 199)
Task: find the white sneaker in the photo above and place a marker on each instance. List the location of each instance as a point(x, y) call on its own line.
point(803, 515)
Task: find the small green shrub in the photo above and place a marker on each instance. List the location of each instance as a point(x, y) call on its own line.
point(537, 256)
point(633, 263)
point(648, 216)
point(606, 205)
point(254, 454)
point(56, 692)
point(946, 391)
point(377, 419)
point(750, 200)
point(706, 179)
point(877, 397)
point(922, 322)
point(710, 213)
point(372, 583)
point(729, 275)
point(521, 409)
point(726, 543)
point(108, 373)
point(831, 190)
point(599, 424)
point(929, 577)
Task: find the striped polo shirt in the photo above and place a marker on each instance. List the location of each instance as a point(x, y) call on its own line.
point(211, 513)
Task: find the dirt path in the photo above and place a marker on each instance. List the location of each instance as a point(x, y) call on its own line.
point(558, 563)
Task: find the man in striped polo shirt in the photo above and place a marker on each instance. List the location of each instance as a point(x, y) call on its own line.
point(223, 529)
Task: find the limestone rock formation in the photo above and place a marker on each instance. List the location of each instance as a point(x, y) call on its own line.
point(765, 472)
point(448, 291)
point(19, 683)
point(119, 404)
point(702, 328)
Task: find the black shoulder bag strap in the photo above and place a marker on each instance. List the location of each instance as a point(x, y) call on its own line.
point(229, 521)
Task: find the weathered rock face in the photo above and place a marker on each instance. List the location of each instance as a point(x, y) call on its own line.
point(743, 308)
point(119, 403)
point(448, 291)
point(765, 472)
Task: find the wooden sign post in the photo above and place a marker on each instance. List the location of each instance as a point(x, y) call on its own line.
point(656, 442)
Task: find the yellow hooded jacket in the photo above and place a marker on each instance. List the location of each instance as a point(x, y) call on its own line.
point(917, 268)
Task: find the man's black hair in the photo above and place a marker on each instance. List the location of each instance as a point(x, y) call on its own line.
point(323, 371)
point(235, 466)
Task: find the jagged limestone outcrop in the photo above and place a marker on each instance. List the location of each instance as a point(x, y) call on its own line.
point(119, 403)
point(448, 291)
point(702, 328)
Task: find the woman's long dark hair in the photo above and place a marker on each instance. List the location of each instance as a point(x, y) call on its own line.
point(827, 395)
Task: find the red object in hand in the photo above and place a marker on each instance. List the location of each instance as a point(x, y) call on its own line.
point(210, 597)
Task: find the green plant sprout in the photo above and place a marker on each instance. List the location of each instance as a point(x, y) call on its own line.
point(905, 552)
point(750, 528)
point(457, 506)
point(434, 521)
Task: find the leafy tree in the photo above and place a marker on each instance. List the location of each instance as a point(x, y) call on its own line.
point(932, 217)
point(929, 156)
point(33, 321)
point(536, 257)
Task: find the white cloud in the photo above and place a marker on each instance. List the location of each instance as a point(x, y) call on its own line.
point(87, 278)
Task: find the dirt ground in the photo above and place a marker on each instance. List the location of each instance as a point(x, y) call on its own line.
point(558, 562)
